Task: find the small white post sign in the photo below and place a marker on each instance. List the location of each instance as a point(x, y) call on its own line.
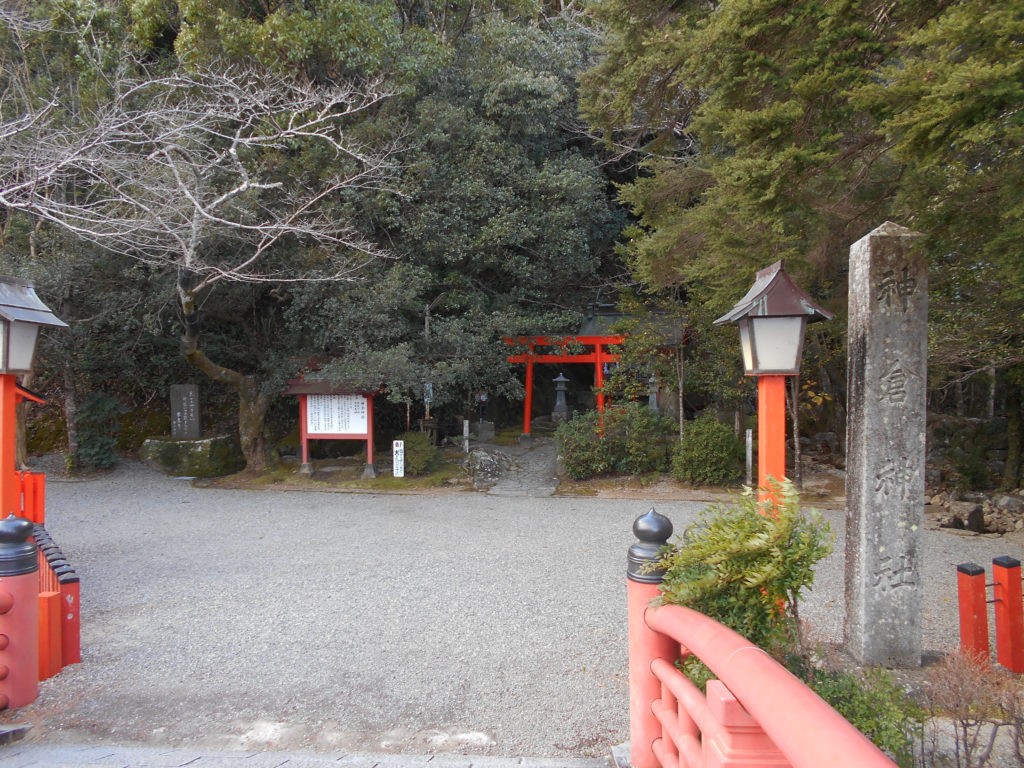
point(398, 460)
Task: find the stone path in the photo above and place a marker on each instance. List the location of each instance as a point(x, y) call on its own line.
point(534, 470)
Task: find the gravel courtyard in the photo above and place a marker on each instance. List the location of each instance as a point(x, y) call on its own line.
point(459, 622)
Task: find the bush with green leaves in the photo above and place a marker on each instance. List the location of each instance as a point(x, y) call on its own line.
point(745, 564)
point(420, 454)
point(584, 454)
point(709, 454)
point(627, 439)
point(97, 422)
point(877, 706)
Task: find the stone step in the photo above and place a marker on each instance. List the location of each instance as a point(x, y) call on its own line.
point(25, 754)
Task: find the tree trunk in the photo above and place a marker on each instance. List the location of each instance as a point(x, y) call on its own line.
point(990, 409)
point(1014, 417)
point(253, 404)
point(680, 390)
point(20, 427)
point(71, 416)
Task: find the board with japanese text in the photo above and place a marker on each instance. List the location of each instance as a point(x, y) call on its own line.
point(336, 415)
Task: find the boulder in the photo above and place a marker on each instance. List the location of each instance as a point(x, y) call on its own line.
point(207, 457)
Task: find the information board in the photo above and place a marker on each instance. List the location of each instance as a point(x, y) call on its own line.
point(336, 415)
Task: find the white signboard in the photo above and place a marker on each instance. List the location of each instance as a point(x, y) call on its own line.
point(336, 415)
point(398, 457)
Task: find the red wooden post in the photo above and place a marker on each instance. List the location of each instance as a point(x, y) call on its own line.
point(49, 635)
point(739, 741)
point(369, 430)
point(1009, 613)
point(70, 620)
point(970, 585)
point(599, 375)
point(10, 487)
point(771, 434)
point(645, 644)
point(304, 432)
point(528, 406)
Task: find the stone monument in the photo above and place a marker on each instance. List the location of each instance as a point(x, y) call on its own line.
point(887, 359)
point(185, 412)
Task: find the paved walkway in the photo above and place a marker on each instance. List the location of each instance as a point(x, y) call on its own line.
point(30, 755)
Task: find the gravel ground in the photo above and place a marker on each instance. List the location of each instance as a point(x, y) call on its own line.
point(466, 622)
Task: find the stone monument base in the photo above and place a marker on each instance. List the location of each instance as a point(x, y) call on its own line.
point(208, 457)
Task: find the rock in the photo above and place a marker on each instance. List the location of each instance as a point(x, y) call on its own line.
point(964, 509)
point(209, 457)
point(486, 466)
point(1014, 504)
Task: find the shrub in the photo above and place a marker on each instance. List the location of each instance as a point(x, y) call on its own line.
point(629, 439)
point(97, 423)
point(876, 706)
point(639, 439)
point(709, 454)
point(420, 454)
point(584, 454)
point(746, 569)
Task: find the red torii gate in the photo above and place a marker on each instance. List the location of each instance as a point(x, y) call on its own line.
point(596, 353)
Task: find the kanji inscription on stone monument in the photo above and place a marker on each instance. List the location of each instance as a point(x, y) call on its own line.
point(887, 370)
point(185, 412)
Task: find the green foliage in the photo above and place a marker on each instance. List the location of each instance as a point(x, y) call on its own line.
point(97, 433)
point(709, 454)
point(745, 565)
point(628, 439)
point(420, 454)
point(584, 454)
point(877, 706)
point(640, 440)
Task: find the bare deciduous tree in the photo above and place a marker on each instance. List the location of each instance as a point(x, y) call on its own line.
point(213, 175)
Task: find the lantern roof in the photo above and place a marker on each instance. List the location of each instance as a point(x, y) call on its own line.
point(774, 294)
point(19, 303)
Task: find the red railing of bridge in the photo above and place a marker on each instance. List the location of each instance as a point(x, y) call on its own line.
point(756, 714)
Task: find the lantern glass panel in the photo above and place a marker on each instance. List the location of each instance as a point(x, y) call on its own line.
point(21, 346)
point(777, 343)
point(746, 345)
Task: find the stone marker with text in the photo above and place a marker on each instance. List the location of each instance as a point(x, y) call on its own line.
point(887, 359)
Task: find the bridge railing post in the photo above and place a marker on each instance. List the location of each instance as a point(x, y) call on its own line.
point(19, 614)
point(652, 531)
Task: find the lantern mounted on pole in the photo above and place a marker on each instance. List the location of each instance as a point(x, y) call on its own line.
point(22, 314)
point(772, 317)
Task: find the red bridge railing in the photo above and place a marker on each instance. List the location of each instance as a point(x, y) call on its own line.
point(755, 715)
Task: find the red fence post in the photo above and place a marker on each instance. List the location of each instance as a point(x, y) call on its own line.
point(739, 741)
point(1009, 613)
point(645, 645)
point(970, 587)
point(70, 620)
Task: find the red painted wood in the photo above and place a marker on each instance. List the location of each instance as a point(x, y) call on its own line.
point(771, 430)
point(970, 584)
point(744, 720)
point(645, 645)
point(10, 486)
point(1009, 614)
